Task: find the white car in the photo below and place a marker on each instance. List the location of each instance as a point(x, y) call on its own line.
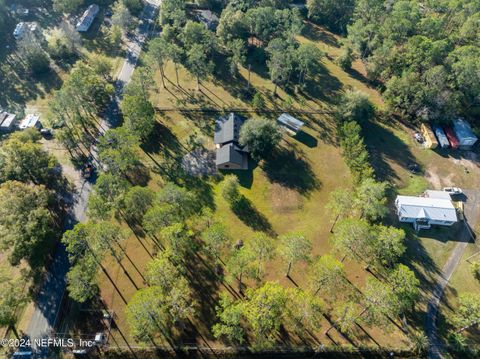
point(453, 190)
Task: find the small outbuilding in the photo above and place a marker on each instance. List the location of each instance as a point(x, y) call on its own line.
point(429, 136)
point(441, 137)
point(423, 212)
point(30, 121)
point(23, 28)
point(290, 123)
point(87, 18)
point(7, 121)
point(463, 131)
point(230, 153)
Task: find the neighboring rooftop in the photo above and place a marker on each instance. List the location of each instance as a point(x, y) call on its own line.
point(87, 18)
point(30, 121)
point(23, 27)
point(7, 121)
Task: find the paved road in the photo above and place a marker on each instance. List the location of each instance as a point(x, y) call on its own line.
point(49, 299)
point(472, 213)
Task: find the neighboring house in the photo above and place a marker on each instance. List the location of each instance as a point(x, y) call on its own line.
point(87, 18)
point(25, 27)
point(208, 18)
point(230, 154)
point(7, 121)
point(463, 131)
point(30, 121)
point(290, 123)
point(423, 212)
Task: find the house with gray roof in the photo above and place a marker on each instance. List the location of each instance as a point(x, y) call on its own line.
point(423, 212)
point(230, 154)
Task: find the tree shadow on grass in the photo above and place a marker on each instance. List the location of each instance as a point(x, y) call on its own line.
point(323, 87)
point(139, 176)
point(316, 33)
point(248, 214)
point(384, 146)
point(290, 170)
point(307, 139)
point(162, 139)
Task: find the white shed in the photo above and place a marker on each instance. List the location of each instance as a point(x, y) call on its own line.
point(30, 121)
point(290, 122)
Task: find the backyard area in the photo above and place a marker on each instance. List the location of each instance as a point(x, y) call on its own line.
point(291, 193)
point(288, 192)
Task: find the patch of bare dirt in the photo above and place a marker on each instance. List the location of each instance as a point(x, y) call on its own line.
point(470, 160)
point(285, 200)
point(433, 178)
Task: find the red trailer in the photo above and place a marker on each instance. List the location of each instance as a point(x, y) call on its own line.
point(451, 137)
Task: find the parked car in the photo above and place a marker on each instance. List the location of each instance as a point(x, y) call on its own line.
point(46, 132)
point(453, 190)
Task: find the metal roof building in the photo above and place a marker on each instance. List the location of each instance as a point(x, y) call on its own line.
point(230, 154)
point(30, 121)
point(290, 122)
point(87, 18)
point(463, 131)
point(7, 121)
point(423, 212)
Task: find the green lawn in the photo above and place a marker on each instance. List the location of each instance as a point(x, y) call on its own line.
point(288, 194)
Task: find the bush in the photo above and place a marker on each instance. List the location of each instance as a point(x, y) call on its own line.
point(346, 58)
point(475, 268)
point(230, 189)
point(258, 102)
point(134, 6)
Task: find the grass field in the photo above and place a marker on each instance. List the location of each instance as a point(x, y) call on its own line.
point(289, 195)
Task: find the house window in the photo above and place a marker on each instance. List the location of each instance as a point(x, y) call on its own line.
point(227, 166)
